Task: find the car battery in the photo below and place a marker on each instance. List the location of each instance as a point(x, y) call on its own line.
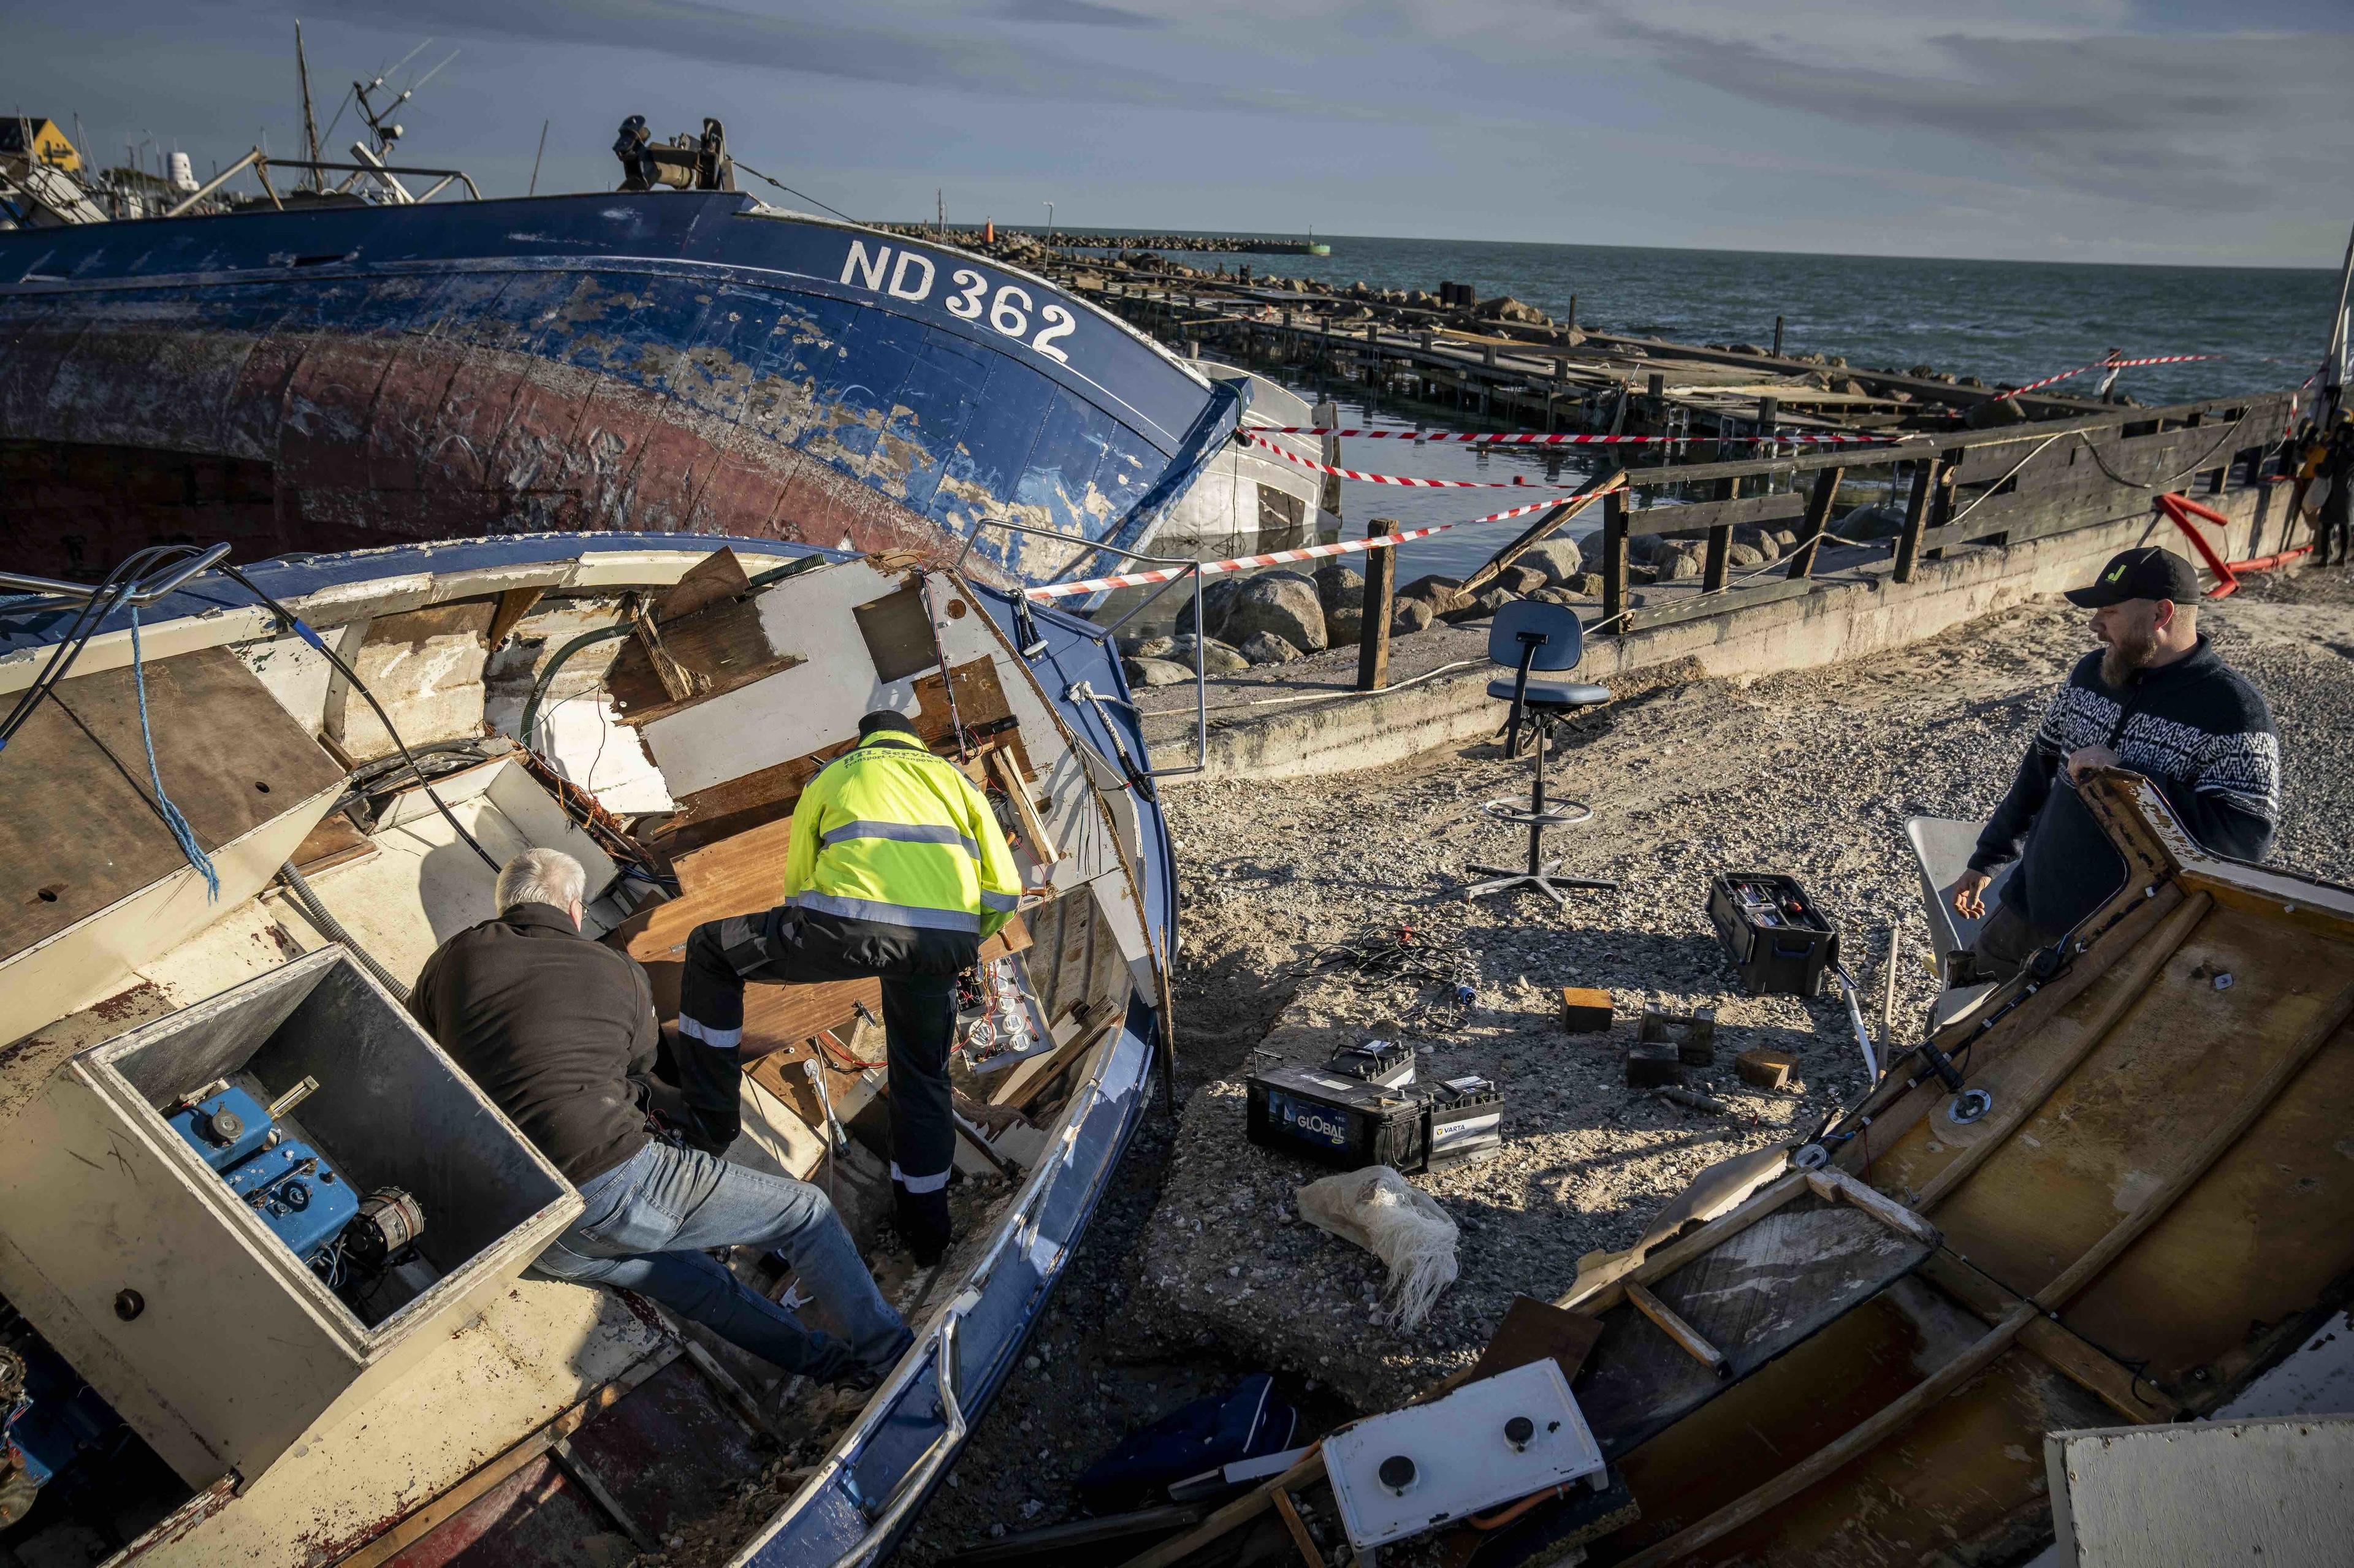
point(1383, 1061)
point(1349, 1123)
point(1773, 932)
point(1467, 1117)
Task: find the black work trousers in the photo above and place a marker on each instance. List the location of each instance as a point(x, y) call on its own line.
point(785, 947)
point(2333, 530)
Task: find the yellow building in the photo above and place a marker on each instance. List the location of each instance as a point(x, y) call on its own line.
point(49, 143)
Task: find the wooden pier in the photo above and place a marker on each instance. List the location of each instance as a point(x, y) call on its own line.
point(1967, 465)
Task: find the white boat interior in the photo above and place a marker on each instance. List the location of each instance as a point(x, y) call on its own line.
point(654, 708)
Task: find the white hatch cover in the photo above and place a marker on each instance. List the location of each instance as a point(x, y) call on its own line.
point(1489, 1442)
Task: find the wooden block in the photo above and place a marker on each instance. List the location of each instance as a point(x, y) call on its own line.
point(1533, 1329)
point(1767, 1069)
point(1650, 1066)
point(1584, 1011)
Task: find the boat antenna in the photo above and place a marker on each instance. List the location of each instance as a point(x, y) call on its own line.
point(536, 158)
point(310, 120)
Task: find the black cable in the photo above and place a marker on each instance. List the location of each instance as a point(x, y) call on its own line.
point(302, 629)
point(333, 929)
point(108, 597)
point(788, 190)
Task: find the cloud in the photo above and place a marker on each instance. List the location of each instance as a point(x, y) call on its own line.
point(1077, 13)
point(2177, 120)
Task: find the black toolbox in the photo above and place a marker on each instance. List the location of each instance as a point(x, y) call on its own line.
point(1347, 1122)
point(1773, 932)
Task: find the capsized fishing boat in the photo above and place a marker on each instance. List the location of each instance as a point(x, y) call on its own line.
point(2112, 1190)
point(263, 1296)
point(341, 375)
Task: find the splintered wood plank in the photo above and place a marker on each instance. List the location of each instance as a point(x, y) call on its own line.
point(2166, 1075)
point(713, 639)
point(80, 830)
point(1764, 1290)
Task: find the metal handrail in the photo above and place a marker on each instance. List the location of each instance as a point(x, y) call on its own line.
point(1190, 572)
point(917, 1480)
point(146, 592)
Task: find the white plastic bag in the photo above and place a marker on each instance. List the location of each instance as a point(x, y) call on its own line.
point(1377, 1208)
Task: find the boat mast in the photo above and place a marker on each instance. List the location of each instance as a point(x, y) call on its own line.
point(2330, 384)
point(317, 181)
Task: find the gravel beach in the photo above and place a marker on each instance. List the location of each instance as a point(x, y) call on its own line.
point(1197, 1269)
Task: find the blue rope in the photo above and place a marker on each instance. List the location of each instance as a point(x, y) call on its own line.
point(172, 818)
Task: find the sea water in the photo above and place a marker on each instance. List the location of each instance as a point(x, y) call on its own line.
point(2012, 321)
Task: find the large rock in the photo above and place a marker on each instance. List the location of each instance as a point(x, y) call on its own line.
point(1559, 559)
point(1147, 647)
point(1156, 672)
point(1740, 556)
point(1283, 604)
point(1341, 588)
point(1217, 658)
point(1267, 648)
point(1411, 615)
point(1441, 593)
point(1485, 604)
point(1508, 309)
point(1761, 540)
point(1678, 560)
point(1215, 601)
point(1876, 522)
point(1344, 627)
point(1522, 580)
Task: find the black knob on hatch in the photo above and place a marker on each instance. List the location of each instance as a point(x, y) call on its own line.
point(1518, 1430)
point(1397, 1472)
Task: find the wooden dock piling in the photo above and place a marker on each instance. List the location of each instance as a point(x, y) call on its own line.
point(1380, 604)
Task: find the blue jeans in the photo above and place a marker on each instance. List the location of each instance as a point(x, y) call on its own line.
point(650, 1222)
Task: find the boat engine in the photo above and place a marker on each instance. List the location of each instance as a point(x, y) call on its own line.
point(346, 1239)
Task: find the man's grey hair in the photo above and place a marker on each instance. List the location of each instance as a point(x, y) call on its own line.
point(541, 876)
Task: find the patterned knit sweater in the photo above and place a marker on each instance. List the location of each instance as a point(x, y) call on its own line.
point(2194, 727)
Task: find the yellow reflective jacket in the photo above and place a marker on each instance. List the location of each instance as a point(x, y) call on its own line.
point(890, 833)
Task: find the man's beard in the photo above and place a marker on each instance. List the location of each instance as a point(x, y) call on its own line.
point(2128, 651)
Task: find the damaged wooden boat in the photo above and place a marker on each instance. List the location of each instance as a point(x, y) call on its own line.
point(264, 1296)
point(2115, 1189)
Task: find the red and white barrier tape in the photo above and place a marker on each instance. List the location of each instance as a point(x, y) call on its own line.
point(2105, 365)
point(1278, 557)
point(1289, 456)
point(1534, 439)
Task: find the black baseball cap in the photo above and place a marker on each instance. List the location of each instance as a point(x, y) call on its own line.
point(2149, 572)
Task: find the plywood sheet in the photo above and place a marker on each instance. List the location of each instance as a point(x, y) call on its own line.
point(81, 830)
point(2181, 1057)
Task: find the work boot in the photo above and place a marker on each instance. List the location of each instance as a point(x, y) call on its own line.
point(923, 1222)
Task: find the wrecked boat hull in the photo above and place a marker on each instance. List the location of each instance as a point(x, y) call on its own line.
point(976, 1316)
point(343, 378)
point(2127, 1205)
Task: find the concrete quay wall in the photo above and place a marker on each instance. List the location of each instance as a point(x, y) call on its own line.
point(1847, 617)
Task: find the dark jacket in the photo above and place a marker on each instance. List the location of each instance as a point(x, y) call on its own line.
point(558, 1030)
point(2195, 729)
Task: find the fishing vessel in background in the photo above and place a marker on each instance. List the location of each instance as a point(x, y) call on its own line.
point(337, 370)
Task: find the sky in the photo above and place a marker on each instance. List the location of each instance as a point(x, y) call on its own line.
point(2045, 130)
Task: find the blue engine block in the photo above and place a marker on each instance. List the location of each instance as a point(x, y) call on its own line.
point(289, 1183)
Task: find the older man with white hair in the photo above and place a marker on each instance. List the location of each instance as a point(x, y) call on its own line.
point(560, 1032)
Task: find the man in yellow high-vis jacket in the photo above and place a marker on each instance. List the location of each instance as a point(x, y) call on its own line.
point(899, 871)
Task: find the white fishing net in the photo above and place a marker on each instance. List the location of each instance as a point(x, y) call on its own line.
point(1378, 1210)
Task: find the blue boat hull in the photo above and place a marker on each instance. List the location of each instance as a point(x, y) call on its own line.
point(660, 362)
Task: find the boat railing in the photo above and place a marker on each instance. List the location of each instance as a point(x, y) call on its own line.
point(1182, 569)
point(262, 162)
point(145, 592)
